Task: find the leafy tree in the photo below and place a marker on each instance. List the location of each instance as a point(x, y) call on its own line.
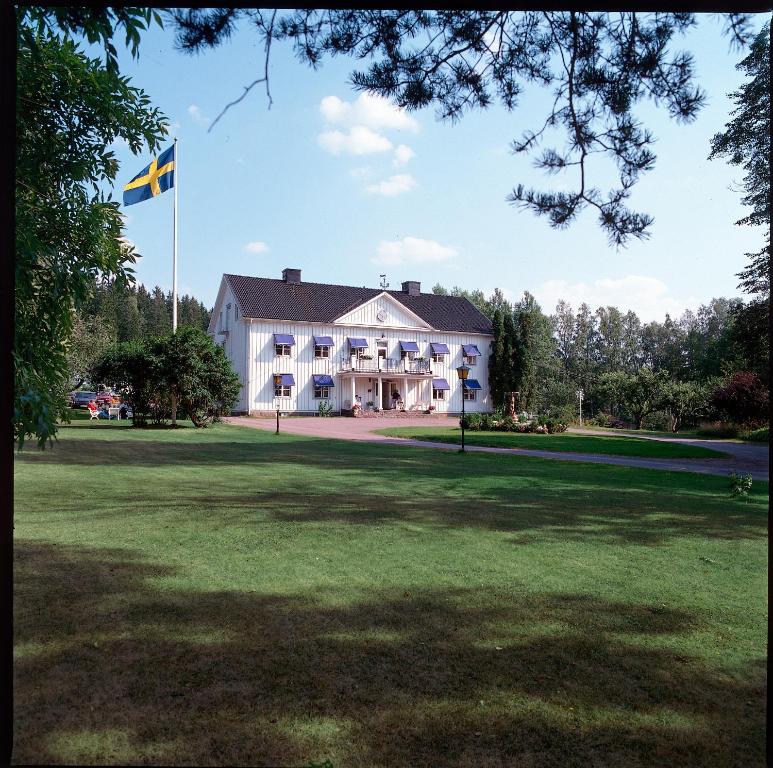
point(198, 372)
point(133, 369)
point(69, 109)
point(744, 399)
point(684, 400)
point(90, 339)
point(640, 393)
point(187, 364)
point(599, 66)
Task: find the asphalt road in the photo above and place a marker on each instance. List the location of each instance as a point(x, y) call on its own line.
point(744, 458)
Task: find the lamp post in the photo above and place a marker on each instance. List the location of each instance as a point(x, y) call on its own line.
point(462, 371)
point(580, 395)
point(277, 384)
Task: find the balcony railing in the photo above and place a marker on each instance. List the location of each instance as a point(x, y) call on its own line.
point(386, 365)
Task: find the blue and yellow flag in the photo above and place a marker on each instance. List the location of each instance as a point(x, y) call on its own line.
point(151, 181)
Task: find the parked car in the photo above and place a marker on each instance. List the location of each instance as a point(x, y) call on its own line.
point(106, 398)
point(81, 399)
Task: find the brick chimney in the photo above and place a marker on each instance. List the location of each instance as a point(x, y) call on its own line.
point(291, 275)
point(412, 287)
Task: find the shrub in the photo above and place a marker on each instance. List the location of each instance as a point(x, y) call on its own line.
point(761, 435)
point(744, 399)
point(740, 485)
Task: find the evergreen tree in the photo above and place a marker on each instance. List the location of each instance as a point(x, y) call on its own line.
point(511, 355)
point(496, 358)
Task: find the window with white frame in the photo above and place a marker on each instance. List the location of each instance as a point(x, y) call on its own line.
point(321, 350)
point(438, 394)
point(321, 392)
point(438, 357)
point(469, 394)
point(236, 312)
point(283, 350)
point(470, 360)
point(282, 391)
point(407, 355)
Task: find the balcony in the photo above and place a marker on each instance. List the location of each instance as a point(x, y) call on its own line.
point(386, 365)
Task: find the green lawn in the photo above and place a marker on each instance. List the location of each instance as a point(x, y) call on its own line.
point(228, 596)
point(614, 444)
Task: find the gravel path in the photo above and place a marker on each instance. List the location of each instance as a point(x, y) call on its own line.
point(746, 458)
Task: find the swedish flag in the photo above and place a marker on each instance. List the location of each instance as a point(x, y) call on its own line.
point(152, 180)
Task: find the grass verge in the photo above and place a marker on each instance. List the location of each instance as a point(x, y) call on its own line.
point(616, 445)
point(228, 596)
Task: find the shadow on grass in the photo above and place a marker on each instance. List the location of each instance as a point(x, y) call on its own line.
point(112, 668)
point(365, 484)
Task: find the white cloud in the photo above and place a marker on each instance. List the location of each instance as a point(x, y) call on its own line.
point(369, 110)
point(412, 250)
point(648, 297)
point(403, 154)
point(394, 185)
point(359, 141)
point(196, 115)
point(257, 246)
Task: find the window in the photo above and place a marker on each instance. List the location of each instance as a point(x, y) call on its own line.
point(469, 394)
point(321, 392)
point(321, 350)
point(236, 313)
point(438, 394)
point(438, 357)
point(281, 391)
point(282, 350)
point(407, 355)
point(470, 360)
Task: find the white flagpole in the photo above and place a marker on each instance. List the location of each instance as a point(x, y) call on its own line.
point(174, 267)
point(174, 257)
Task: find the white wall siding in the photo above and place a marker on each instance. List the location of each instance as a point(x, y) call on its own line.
point(235, 342)
point(394, 314)
point(263, 364)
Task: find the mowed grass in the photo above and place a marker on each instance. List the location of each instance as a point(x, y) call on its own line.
point(228, 596)
point(613, 445)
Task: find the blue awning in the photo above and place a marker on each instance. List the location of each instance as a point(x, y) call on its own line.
point(439, 349)
point(472, 384)
point(323, 380)
point(470, 350)
point(358, 343)
point(409, 346)
point(288, 380)
point(440, 384)
point(323, 341)
point(284, 338)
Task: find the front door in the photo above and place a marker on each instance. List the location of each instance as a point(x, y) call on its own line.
point(386, 394)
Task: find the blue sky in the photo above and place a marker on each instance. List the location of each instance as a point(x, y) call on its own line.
point(346, 188)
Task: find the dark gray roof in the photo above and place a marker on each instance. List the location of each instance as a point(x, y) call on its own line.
point(271, 299)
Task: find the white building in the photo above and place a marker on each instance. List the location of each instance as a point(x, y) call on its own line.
point(344, 345)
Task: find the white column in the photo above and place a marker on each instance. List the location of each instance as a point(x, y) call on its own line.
point(353, 390)
point(380, 401)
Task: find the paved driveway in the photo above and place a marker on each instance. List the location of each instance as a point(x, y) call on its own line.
point(746, 458)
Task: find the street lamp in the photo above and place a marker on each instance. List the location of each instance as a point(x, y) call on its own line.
point(462, 372)
point(277, 384)
point(580, 395)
